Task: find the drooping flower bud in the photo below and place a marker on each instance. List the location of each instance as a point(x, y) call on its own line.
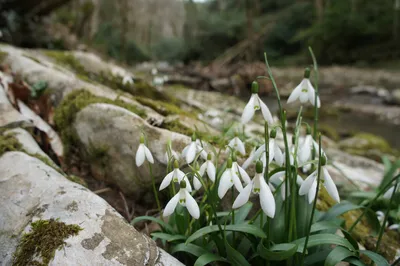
point(259, 167)
point(182, 184)
point(254, 87)
point(323, 160)
point(272, 134)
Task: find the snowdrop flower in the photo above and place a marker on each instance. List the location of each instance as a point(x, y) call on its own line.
point(208, 167)
point(304, 91)
point(260, 187)
point(127, 80)
point(228, 179)
point(239, 171)
point(177, 176)
point(189, 152)
point(184, 198)
point(309, 185)
point(251, 158)
point(388, 194)
point(305, 149)
point(255, 103)
point(280, 177)
point(380, 216)
point(394, 227)
point(143, 153)
point(237, 145)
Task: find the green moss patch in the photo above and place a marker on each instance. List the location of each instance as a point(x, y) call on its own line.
point(39, 246)
point(163, 107)
point(65, 114)
point(9, 143)
point(66, 59)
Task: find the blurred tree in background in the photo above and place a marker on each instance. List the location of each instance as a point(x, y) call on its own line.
point(340, 31)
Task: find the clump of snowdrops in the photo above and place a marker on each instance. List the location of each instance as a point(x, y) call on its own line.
point(270, 217)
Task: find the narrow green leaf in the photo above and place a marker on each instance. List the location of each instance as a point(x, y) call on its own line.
point(208, 258)
point(234, 257)
point(242, 212)
point(338, 210)
point(189, 248)
point(355, 261)
point(363, 194)
point(323, 239)
point(168, 237)
point(153, 219)
point(352, 241)
point(244, 228)
point(337, 255)
point(324, 225)
point(277, 252)
point(378, 259)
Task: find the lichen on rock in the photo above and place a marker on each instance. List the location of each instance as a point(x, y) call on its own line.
point(44, 239)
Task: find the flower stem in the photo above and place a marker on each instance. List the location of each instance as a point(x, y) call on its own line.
point(382, 191)
point(154, 187)
point(314, 204)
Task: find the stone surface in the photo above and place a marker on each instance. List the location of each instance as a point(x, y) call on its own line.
point(30, 190)
point(116, 132)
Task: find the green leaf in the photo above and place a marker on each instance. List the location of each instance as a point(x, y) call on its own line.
point(244, 228)
point(208, 258)
point(234, 257)
point(324, 225)
point(168, 237)
point(163, 224)
point(337, 255)
point(338, 210)
point(242, 212)
point(355, 261)
point(378, 259)
point(189, 248)
point(323, 239)
point(278, 252)
point(352, 241)
point(363, 194)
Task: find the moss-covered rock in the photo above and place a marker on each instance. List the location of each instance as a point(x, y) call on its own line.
point(39, 246)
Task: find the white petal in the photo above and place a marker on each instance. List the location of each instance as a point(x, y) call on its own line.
point(330, 185)
point(295, 93)
point(299, 180)
point(283, 191)
point(191, 152)
point(188, 186)
point(243, 197)
point(240, 146)
point(203, 168)
point(196, 183)
point(278, 155)
point(303, 97)
point(244, 175)
point(249, 110)
point(140, 156)
point(179, 174)
point(171, 205)
point(232, 143)
point(394, 227)
point(267, 200)
point(166, 181)
point(271, 150)
point(202, 151)
point(147, 152)
point(310, 91)
point(192, 206)
point(306, 186)
point(211, 171)
point(265, 112)
point(305, 149)
point(248, 161)
point(259, 152)
point(224, 184)
point(312, 192)
point(184, 151)
point(277, 177)
point(388, 194)
point(236, 180)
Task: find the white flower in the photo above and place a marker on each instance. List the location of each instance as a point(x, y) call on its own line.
point(275, 154)
point(143, 153)
point(309, 185)
point(237, 145)
point(305, 149)
point(208, 167)
point(388, 194)
point(184, 198)
point(239, 171)
point(279, 177)
point(190, 151)
point(228, 179)
point(196, 183)
point(304, 91)
point(260, 187)
point(249, 160)
point(394, 227)
point(175, 175)
point(127, 80)
point(255, 103)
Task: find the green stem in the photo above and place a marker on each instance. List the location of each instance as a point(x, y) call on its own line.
point(233, 217)
point(154, 187)
point(316, 81)
point(382, 229)
point(314, 204)
point(382, 191)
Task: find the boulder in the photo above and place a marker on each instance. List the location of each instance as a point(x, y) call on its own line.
point(36, 197)
point(110, 137)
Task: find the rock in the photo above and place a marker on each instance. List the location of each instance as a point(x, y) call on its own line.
point(31, 191)
point(367, 145)
point(394, 97)
point(370, 90)
point(110, 136)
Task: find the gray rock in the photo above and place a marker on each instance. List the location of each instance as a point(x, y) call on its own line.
point(115, 132)
point(30, 190)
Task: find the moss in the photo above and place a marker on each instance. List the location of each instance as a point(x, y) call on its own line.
point(163, 107)
point(9, 143)
point(3, 56)
point(329, 131)
point(176, 126)
point(77, 179)
point(39, 246)
point(33, 58)
point(65, 114)
point(66, 59)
